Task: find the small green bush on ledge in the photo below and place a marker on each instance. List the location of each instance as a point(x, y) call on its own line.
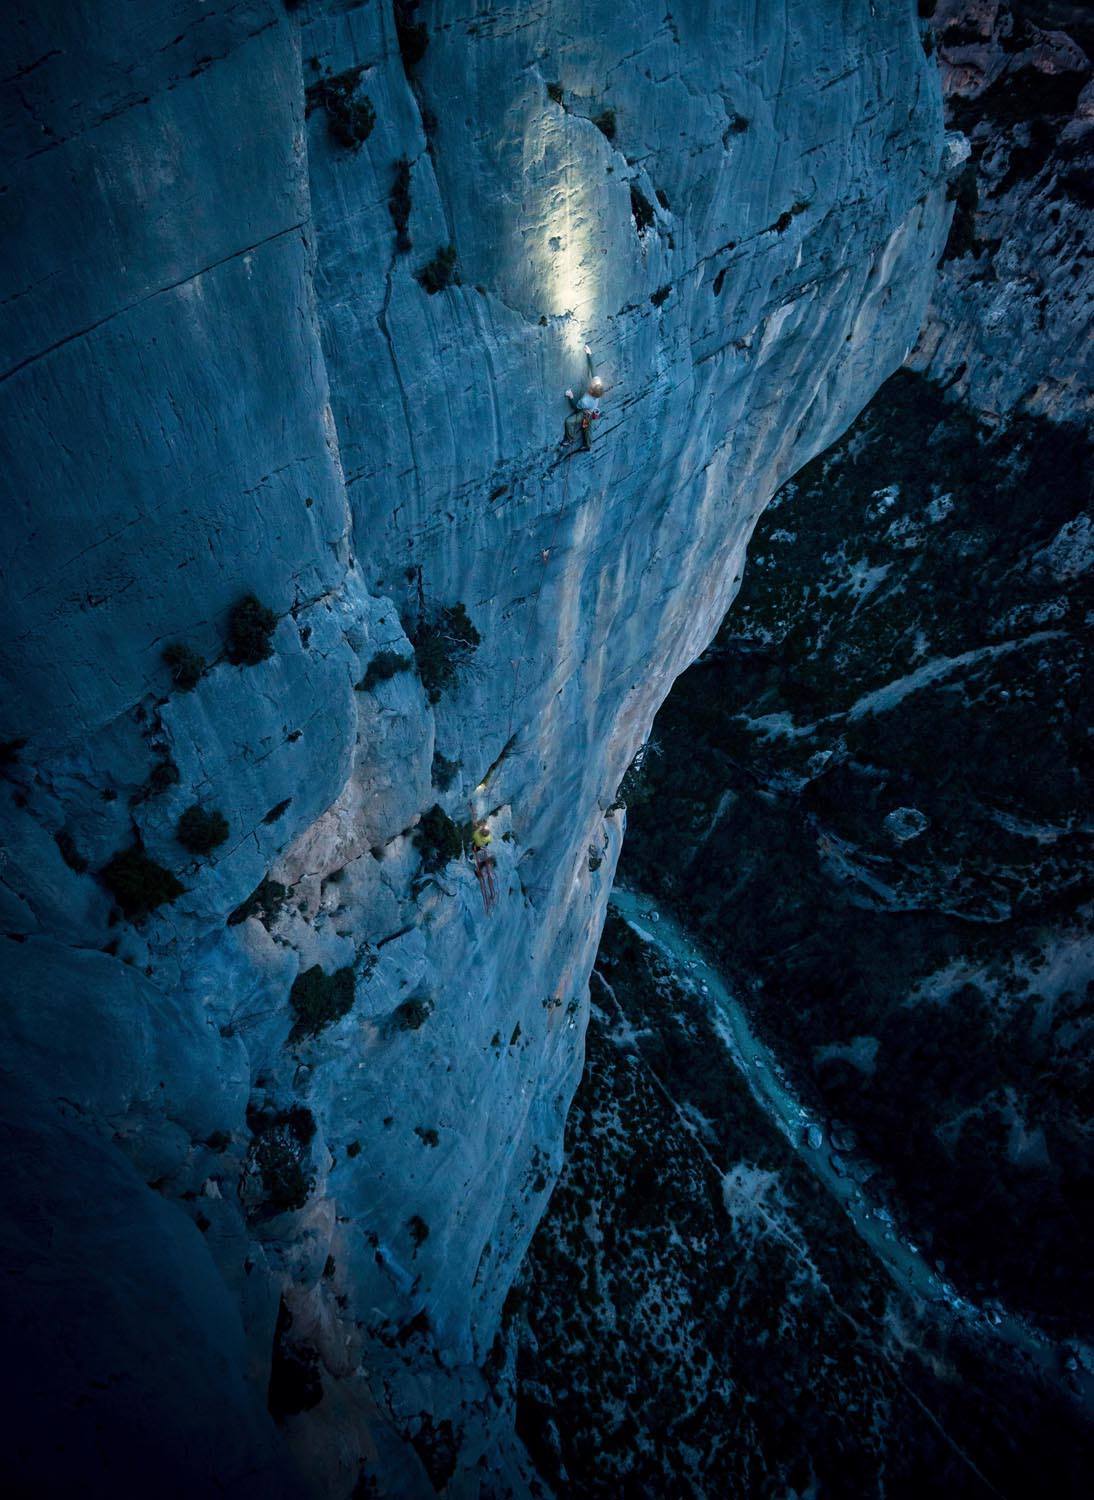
point(412, 1014)
point(350, 118)
point(186, 666)
point(442, 646)
point(440, 272)
point(382, 668)
point(138, 884)
point(319, 1000)
point(279, 1155)
point(437, 838)
point(201, 831)
point(250, 626)
point(444, 771)
point(641, 209)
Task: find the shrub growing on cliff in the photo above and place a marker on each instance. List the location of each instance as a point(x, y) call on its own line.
point(443, 645)
point(350, 117)
point(250, 626)
point(605, 123)
point(642, 209)
point(382, 668)
point(319, 999)
point(138, 884)
point(202, 831)
point(444, 770)
point(437, 838)
point(440, 272)
point(278, 1156)
point(412, 1014)
point(163, 774)
point(264, 902)
point(186, 666)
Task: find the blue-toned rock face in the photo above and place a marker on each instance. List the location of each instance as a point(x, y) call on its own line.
point(238, 360)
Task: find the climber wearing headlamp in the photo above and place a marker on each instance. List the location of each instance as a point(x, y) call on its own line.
point(586, 409)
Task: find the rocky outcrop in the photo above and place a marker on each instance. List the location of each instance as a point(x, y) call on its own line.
point(239, 361)
point(1016, 275)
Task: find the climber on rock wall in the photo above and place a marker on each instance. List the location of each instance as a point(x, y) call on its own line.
point(485, 863)
point(585, 410)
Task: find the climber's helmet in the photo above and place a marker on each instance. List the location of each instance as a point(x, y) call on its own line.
point(596, 386)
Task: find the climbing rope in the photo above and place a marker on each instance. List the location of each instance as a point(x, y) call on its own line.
point(545, 557)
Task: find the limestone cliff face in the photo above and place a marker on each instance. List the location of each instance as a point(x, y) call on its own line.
point(1014, 276)
point(222, 375)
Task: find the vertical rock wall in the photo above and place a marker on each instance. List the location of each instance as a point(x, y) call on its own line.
point(221, 376)
point(1016, 275)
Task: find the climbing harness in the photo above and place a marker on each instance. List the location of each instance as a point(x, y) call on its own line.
point(484, 861)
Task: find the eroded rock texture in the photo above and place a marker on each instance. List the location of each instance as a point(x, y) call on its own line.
point(1016, 275)
point(226, 372)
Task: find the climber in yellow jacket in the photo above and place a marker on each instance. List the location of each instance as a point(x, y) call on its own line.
point(485, 864)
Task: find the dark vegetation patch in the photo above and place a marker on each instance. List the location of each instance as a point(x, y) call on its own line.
point(138, 884)
point(264, 902)
point(437, 1444)
point(438, 839)
point(684, 1349)
point(250, 628)
point(278, 1161)
point(418, 1229)
point(278, 811)
point(440, 272)
point(163, 775)
point(641, 209)
point(787, 217)
point(554, 92)
point(382, 668)
point(443, 644)
point(186, 666)
point(605, 123)
point(921, 536)
point(661, 295)
point(412, 1014)
point(444, 771)
point(319, 999)
point(350, 115)
point(201, 829)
